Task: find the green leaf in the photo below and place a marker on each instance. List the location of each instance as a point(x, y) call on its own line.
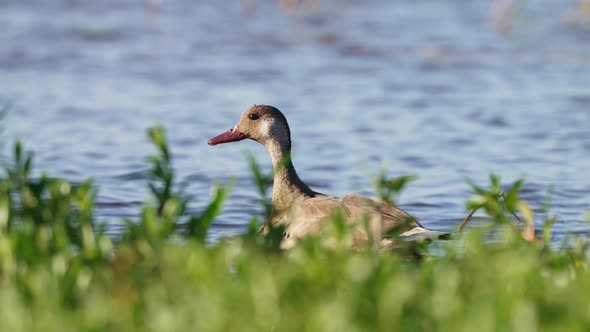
point(396, 184)
point(476, 202)
point(495, 181)
point(262, 181)
point(388, 189)
point(198, 226)
point(5, 206)
point(158, 137)
point(511, 198)
point(18, 150)
point(477, 189)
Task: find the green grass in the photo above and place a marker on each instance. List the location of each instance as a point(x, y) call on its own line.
point(60, 272)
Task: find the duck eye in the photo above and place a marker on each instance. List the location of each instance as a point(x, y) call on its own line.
point(253, 116)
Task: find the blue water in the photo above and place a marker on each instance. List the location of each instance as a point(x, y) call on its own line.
point(434, 88)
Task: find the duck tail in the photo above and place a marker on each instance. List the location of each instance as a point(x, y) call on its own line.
point(420, 233)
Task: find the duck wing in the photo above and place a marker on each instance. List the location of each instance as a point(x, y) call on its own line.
point(392, 221)
point(369, 219)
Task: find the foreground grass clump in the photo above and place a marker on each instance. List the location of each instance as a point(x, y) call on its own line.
point(59, 272)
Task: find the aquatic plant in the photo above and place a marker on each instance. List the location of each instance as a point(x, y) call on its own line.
point(59, 271)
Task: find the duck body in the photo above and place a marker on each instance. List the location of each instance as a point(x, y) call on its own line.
point(305, 212)
point(368, 218)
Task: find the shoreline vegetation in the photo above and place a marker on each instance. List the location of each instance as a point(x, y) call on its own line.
point(59, 271)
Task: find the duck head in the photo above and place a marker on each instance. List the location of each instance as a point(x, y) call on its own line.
point(261, 123)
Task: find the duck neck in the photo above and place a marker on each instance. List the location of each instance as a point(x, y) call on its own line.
point(287, 185)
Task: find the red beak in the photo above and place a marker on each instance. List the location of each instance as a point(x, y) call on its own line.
point(232, 135)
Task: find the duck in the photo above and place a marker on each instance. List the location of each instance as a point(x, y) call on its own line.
point(304, 212)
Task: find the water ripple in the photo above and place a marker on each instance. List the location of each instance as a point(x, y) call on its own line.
point(430, 89)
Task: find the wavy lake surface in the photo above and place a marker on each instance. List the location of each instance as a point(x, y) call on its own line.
point(433, 88)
